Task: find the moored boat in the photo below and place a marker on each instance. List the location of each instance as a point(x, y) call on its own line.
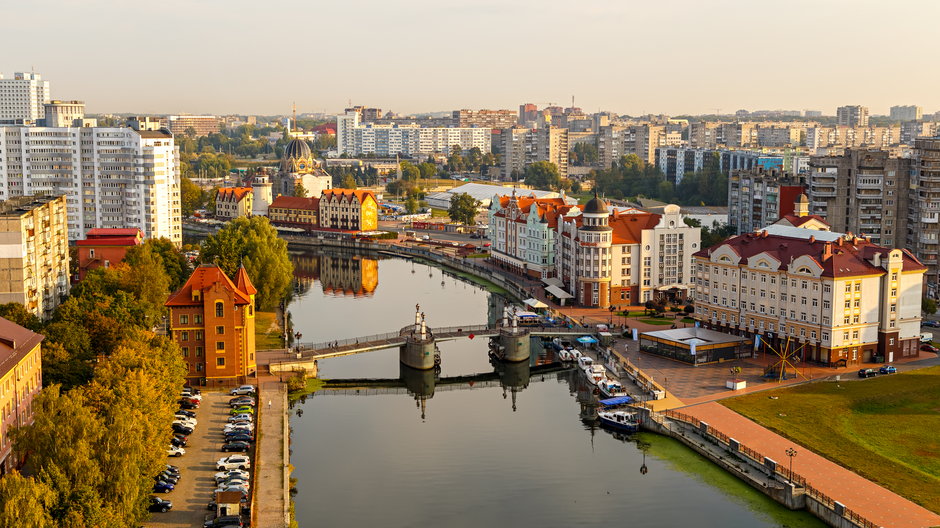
point(620, 420)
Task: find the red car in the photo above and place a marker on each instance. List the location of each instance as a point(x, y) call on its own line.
point(929, 348)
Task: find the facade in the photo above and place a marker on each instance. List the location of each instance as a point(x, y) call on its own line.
point(295, 211)
point(64, 114)
point(852, 116)
point(348, 210)
point(521, 147)
point(825, 297)
point(101, 248)
point(202, 125)
point(757, 198)
point(522, 232)
point(212, 319)
point(354, 137)
point(911, 130)
point(906, 113)
point(863, 192)
point(262, 195)
point(34, 261)
point(298, 166)
point(485, 118)
point(20, 382)
point(233, 202)
point(923, 223)
point(22, 98)
point(112, 177)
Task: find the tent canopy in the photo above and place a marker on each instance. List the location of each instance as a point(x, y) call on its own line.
point(587, 340)
point(535, 303)
point(620, 400)
point(553, 281)
point(558, 292)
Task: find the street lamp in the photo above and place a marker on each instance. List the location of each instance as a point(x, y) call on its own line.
point(791, 453)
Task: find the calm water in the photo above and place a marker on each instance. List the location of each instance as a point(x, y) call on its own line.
point(473, 460)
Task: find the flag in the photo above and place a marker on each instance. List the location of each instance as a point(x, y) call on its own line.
point(757, 342)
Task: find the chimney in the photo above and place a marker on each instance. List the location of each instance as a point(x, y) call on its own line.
point(812, 239)
point(877, 260)
point(827, 251)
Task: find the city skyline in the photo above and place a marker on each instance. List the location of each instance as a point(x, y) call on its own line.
point(633, 59)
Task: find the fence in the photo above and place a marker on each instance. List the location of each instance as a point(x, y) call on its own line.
point(796, 479)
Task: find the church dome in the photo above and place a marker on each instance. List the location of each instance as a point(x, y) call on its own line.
point(297, 148)
point(595, 205)
point(297, 158)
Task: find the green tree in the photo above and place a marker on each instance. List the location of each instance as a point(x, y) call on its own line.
point(25, 501)
point(543, 175)
point(18, 314)
point(411, 205)
point(175, 263)
point(254, 243)
point(349, 182)
point(427, 170)
point(300, 190)
point(191, 197)
point(463, 208)
point(409, 171)
point(928, 306)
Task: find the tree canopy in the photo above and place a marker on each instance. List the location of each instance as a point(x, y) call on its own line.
point(543, 175)
point(463, 208)
point(633, 177)
point(254, 243)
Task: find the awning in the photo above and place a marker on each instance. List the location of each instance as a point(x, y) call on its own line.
point(558, 292)
point(620, 400)
point(535, 303)
point(587, 340)
point(553, 281)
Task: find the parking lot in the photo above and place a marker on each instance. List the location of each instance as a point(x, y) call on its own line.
point(197, 467)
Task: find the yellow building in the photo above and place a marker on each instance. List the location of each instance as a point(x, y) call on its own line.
point(349, 210)
point(20, 382)
point(233, 202)
point(34, 252)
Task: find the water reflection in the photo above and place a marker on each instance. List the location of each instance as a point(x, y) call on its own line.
point(339, 275)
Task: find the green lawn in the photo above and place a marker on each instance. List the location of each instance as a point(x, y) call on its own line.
point(886, 429)
point(267, 331)
point(439, 213)
point(661, 322)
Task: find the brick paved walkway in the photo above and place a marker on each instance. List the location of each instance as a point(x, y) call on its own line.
point(861, 495)
point(270, 494)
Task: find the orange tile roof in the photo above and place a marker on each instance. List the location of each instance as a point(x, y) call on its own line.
point(360, 194)
point(547, 209)
point(227, 193)
point(243, 282)
point(204, 277)
point(295, 202)
point(628, 227)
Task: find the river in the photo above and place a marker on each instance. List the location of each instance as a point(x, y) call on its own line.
point(480, 455)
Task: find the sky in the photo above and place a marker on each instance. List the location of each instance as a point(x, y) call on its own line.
point(626, 56)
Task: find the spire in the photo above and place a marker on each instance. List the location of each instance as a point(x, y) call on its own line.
point(243, 282)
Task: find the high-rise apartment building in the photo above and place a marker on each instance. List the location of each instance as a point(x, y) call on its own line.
point(758, 198)
point(34, 264)
point(181, 125)
point(112, 177)
point(864, 192)
point(354, 138)
point(366, 114)
point(911, 130)
point(485, 118)
point(22, 98)
point(852, 116)
point(923, 220)
point(65, 114)
point(907, 113)
point(521, 147)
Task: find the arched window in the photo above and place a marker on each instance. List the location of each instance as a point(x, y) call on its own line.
point(219, 309)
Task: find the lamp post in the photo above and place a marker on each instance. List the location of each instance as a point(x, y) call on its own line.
point(790, 453)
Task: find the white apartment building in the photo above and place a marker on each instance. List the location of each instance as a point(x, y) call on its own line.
point(521, 147)
point(355, 138)
point(22, 98)
point(522, 231)
point(112, 177)
point(826, 297)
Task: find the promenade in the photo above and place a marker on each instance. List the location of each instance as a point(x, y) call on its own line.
point(271, 492)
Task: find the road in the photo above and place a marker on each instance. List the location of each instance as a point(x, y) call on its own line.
point(197, 467)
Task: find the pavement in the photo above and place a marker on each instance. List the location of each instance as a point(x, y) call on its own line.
point(861, 495)
point(197, 467)
point(271, 479)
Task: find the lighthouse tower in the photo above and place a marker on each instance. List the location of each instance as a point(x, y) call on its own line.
point(261, 191)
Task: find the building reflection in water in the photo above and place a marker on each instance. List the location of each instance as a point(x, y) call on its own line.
point(513, 377)
point(339, 275)
point(420, 384)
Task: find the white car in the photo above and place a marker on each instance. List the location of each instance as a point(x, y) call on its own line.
point(192, 396)
point(244, 389)
point(225, 475)
point(187, 422)
point(241, 428)
point(185, 419)
point(233, 482)
point(244, 417)
point(174, 451)
point(233, 462)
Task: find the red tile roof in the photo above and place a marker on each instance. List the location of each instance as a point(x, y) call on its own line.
point(112, 237)
point(295, 202)
point(628, 227)
point(798, 221)
point(204, 277)
point(842, 258)
point(348, 193)
point(243, 283)
point(15, 343)
point(238, 193)
point(113, 231)
point(548, 209)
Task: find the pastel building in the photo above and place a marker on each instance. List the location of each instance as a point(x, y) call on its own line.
point(103, 248)
point(233, 202)
point(348, 210)
point(20, 382)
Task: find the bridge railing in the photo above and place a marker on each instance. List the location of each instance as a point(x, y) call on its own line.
point(351, 341)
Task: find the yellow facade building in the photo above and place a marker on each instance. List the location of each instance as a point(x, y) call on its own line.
point(20, 382)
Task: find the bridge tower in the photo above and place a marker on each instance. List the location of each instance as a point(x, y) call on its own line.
point(419, 351)
point(513, 377)
point(513, 340)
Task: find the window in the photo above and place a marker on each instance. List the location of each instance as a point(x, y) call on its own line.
point(825, 305)
point(848, 287)
point(198, 351)
point(858, 286)
point(185, 351)
point(198, 335)
point(855, 319)
point(894, 307)
point(220, 330)
point(184, 319)
point(825, 336)
point(219, 309)
point(891, 341)
point(198, 367)
point(855, 334)
point(845, 336)
point(184, 336)
point(220, 362)
point(813, 334)
point(197, 319)
point(91, 253)
point(827, 288)
point(220, 346)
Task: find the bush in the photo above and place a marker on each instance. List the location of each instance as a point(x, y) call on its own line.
point(296, 382)
point(689, 308)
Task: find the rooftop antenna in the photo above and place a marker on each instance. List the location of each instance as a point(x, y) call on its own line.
point(293, 107)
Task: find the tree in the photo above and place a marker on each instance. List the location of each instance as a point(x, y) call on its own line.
point(543, 175)
point(463, 208)
point(254, 243)
point(411, 205)
point(929, 306)
point(300, 190)
point(25, 501)
point(175, 263)
point(349, 182)
point(427, 170)
point(191, 196)
point(409, 171)
point(17, 313)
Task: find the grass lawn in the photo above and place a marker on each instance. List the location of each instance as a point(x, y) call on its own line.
point(688, 320)
point(661, 322)
point(886, 429)
point(439, 213)
point(267, 331)
point(478, 255)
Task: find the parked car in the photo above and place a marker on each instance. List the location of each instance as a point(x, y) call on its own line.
point(243, 390)
point(927, 347)
point(243, 417)
point(174, 451)
point(191, 422)
point(239, 436)
point(188, 404)
point(233, 482)
point(163, 477)
point(236, 446)
point(241, 489)
point(239, 427)
point(163, 487)
point(244, 409)
point(160, 505)
point(233, 462)
point(888, 369)
point(184, 412)
point(177, 442)
point(237, 473)
point(241, 400)
point(931, 324)
point(182, 429)
point(227, 520)
point(866, 373)
point(171, 468)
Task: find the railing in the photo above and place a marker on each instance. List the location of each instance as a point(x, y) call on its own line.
point(351, 341)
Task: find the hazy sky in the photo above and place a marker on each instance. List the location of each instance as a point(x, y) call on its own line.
point(626, 56)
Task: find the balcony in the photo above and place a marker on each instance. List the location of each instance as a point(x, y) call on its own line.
point(929, 219)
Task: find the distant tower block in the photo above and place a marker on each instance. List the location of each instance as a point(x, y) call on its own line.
point(262, 198)
point(419, 351)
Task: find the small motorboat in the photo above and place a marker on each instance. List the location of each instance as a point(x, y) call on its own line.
point(620, 420)
point(564, 356)
point(610, 388)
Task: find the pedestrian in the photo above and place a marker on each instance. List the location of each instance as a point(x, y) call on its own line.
point(269, 405)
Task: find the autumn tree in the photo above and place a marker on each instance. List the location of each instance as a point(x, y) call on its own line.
point(463, 208)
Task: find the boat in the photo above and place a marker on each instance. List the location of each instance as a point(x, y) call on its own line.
point(564, 356)
point(610, 387)
point(594, 373)
point(620, 420)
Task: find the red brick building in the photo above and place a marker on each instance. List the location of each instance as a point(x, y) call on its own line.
point(212, 319)
point(104, 247)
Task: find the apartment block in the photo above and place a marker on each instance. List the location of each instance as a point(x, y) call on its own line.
point(34, 264)
point(66, 114)
point(20, 382)
point(758, 198)
point(233, 202)
point(911, 130)
point(852, 116)
point(923, 220)
point(521, 147)
point(180, 125)
point(485, 118)
point(864, 192)
point(112, 177)
point(906, 113)
point(103, 248)
point(828, 298)
point(22, 98)
point(354, 138)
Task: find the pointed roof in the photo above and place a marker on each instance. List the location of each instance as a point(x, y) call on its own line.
point(595, 205)
point(204, 277)
point(243, 282)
